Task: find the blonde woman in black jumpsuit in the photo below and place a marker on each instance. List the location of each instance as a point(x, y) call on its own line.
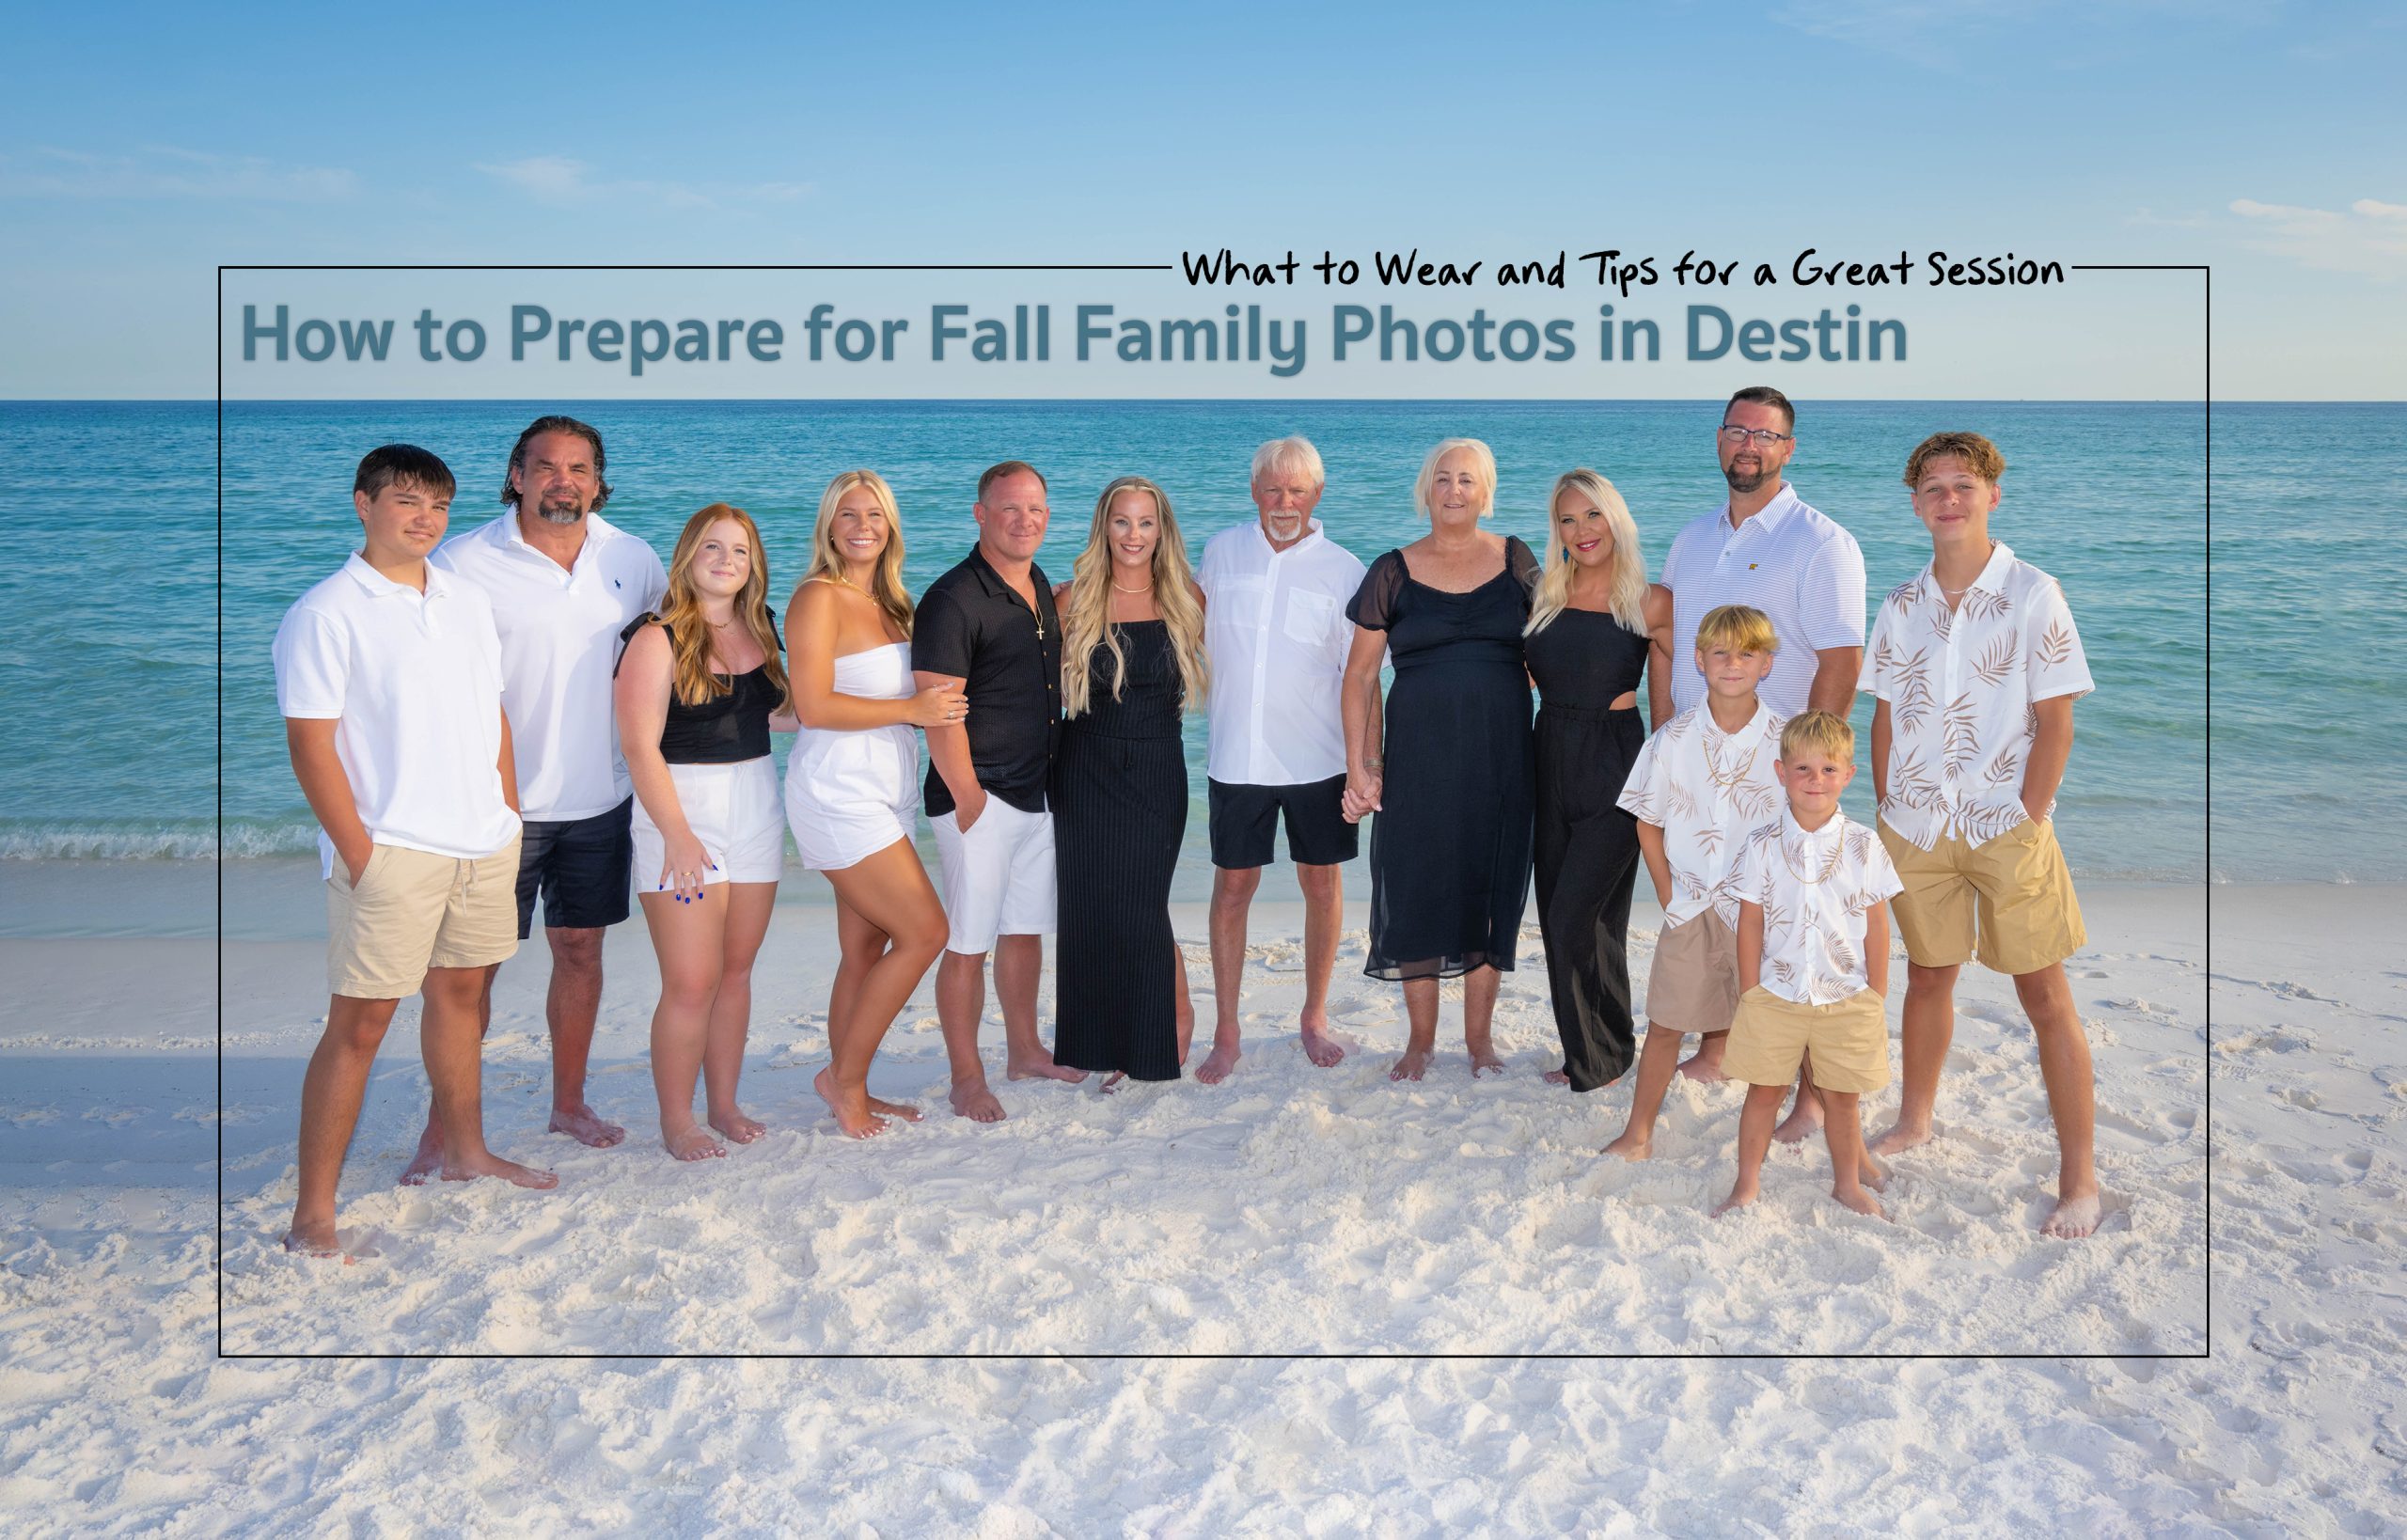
point(1592, 624)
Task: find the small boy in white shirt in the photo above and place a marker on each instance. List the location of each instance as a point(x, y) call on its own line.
point(1697, 786)
point(1813, 891)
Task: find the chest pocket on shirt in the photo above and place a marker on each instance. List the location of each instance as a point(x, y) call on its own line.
point(1311, 618)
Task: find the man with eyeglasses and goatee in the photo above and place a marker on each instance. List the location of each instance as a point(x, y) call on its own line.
point(1767, 548)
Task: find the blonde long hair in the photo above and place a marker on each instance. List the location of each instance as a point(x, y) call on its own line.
point(1627, 598)
point(681, 610)
point(827, 566)
point(1086, 605)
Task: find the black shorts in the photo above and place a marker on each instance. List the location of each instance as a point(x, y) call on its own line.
point(582, 866)
point(1245, 822)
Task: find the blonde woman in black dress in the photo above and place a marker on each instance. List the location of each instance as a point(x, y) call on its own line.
point(1132, 663)
point(1451, 782)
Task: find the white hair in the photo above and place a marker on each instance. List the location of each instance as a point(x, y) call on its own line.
point(1294, 453)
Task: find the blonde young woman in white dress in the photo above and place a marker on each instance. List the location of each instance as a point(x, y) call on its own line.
point(853, 782)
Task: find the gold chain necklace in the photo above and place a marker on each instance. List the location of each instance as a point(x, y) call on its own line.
point(1713, 766)
point(1838, 849)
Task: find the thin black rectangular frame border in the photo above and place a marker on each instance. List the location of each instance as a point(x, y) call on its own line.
point(2205, 1349)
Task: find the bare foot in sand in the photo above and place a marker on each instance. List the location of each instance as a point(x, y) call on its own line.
point(490, 1164)
point(1698, 1067)
point(737, 1128)
point(852, 1111)
point(976, 1103)
point(1557, 1077)
point(1740, 1196)
point(1222, 1058)
point(1412, 1067)
point(428, 1160)
point(1041, 1067)
point(2073, 1217)
point(1484, 1062)
point(1632, 1145)
point(1859, 1200)
point(317, 1241)
point(1800, 1125)
point(1321, 1049)
point(691, 1143)
point(894, 1109)
point(579, 1124)
point(1899, 1139)
point(1872, 1173)
point(1112, 1081)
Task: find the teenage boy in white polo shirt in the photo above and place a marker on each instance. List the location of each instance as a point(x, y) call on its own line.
point(1274, 626)
point(1813, 892)
point(388, 677)
point(1976, 664)
point(564, 585)
point(1767, 548)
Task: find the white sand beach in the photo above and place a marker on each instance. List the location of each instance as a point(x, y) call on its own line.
point(1291, 1211)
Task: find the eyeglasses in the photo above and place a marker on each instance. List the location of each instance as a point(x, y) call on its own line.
point(1764, 438)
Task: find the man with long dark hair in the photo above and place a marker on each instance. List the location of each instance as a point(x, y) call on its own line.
point(564, 583)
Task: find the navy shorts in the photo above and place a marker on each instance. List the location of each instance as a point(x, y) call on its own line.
point(1245, 824)
point(582, 866)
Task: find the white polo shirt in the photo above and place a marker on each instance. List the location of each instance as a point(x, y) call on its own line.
point(1815, 887)
point(412, 682)
point(1962, 686)
point(1276, 632)
point(559, 639)
point(1791, 561)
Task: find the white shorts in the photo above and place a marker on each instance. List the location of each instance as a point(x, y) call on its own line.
point(734, 811)
point(998, 877)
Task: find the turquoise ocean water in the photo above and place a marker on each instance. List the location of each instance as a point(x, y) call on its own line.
point(116, 590)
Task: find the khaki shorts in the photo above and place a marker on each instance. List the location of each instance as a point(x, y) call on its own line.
point(2012, 895)
point(1849, 1040)
point(1693, 985)
point(412, 911)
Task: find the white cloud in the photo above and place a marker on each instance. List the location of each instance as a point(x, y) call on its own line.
point(2370, 237)
point(165, 171)
point(564, 182)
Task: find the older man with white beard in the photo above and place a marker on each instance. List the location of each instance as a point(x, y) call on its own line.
point(1275, 627)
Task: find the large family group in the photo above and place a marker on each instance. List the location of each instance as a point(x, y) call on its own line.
point(539, 709)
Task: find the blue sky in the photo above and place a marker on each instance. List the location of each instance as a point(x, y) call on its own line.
point(139, 149)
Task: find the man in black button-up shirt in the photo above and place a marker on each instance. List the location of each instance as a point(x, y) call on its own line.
point(988, 625)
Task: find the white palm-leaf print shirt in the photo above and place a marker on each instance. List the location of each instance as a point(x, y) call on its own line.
point(1705, 788)
point(1963, 687)
point(1815, 887)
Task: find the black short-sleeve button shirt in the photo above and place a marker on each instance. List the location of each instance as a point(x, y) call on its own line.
point(973, 626)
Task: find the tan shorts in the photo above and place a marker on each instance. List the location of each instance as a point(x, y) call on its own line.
point(2012, 895)
point(1849, 1040)
point(412, 911)
point(1693, 985)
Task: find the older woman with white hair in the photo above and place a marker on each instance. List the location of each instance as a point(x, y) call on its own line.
point(1450, 851)
point(1592, 625)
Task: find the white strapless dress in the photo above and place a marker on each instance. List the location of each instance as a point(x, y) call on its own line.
point(851, 795)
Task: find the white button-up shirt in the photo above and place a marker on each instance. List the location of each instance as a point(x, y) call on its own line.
point(1705, 789)
point(1791, 561)
point(560, 638)
point(1963, 687)
point(1816, 887)
point(1276, 632)
point(412, 682)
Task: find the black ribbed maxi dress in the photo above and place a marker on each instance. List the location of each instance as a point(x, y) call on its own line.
point(1119, 801)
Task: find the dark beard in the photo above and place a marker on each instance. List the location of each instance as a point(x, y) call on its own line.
point(1745, 481)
